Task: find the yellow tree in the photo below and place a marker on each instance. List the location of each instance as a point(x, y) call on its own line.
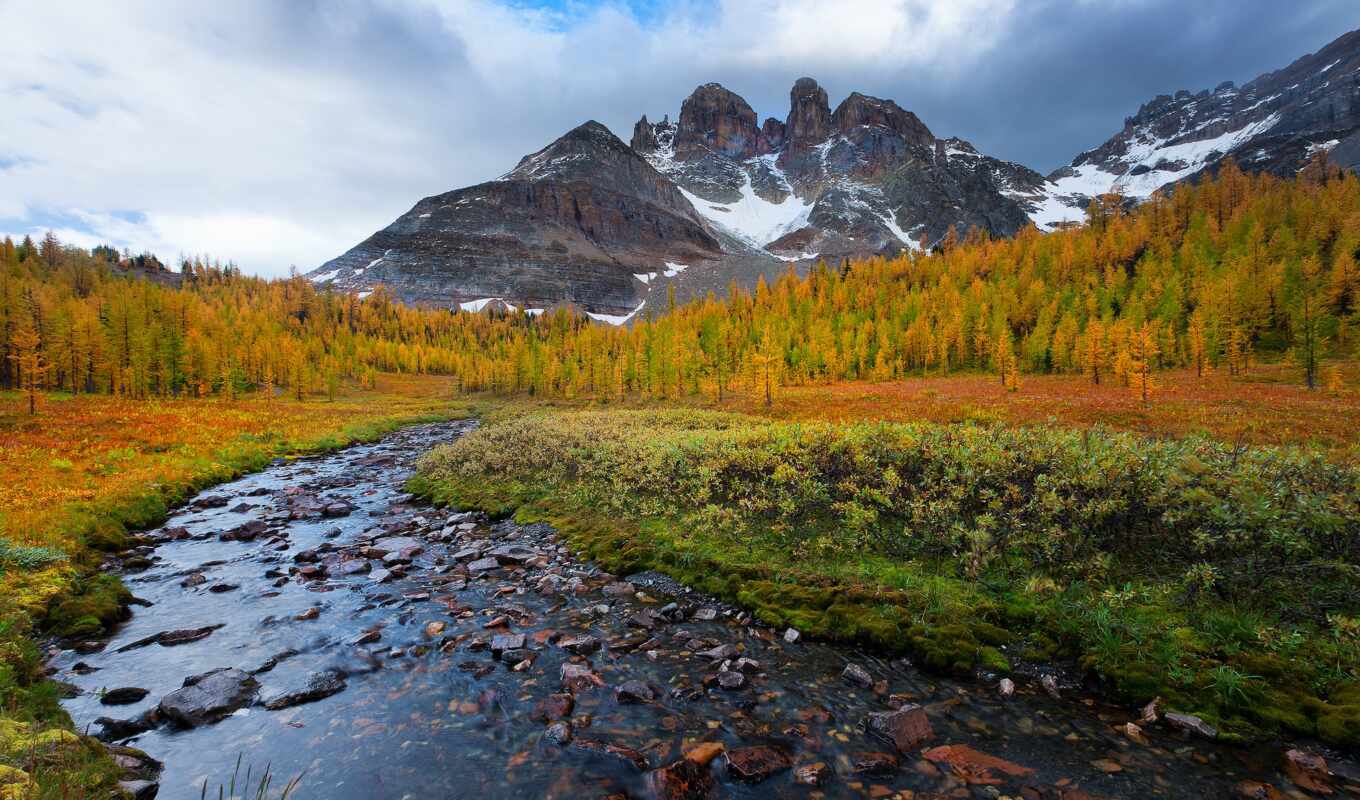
point(30, 365)
point(1196, 339)
point(1095, 350)
point(1142, 354)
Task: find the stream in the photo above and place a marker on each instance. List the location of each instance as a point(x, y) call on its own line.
point(315, 618)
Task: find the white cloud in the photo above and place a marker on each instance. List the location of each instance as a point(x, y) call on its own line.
point(275, 133)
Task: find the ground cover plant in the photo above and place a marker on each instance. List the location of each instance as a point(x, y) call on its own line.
point(1222, 578)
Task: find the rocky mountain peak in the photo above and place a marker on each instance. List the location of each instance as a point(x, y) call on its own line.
point(716, 119)
point(859, 110)
point(809, 121)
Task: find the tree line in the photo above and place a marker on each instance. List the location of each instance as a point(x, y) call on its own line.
point(1207, 277)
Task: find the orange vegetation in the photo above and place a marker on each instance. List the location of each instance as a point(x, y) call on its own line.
point(97, 448)
point(1266, 406)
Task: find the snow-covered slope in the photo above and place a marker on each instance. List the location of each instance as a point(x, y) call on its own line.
point(1275, 123)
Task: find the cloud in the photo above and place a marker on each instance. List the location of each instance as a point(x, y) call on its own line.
point(282, 133)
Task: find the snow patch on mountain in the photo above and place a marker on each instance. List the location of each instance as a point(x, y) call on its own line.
point(752, 217)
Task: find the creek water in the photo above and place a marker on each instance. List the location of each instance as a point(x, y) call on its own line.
point(298, 567)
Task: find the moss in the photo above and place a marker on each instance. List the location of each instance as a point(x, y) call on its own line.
point(993, 660)
point(107, 535)
point(101, 602)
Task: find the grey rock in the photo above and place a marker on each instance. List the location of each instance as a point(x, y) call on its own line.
point(209, 698)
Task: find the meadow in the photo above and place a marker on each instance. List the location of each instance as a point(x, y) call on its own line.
point(86, 473)
point(1219, 576)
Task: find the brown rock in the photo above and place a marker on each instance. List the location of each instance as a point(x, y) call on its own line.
point(809, 121)
point(554, 706)
point(704, 752)
point(973, 766)
point(907, 728)
point(814, 774)
point(1308, 771)
point(683, 780)
point(1255, 790)
point(715, 119)
point(755, 764)
point(874, 763)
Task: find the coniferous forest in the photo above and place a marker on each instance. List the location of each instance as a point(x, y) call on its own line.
point(1211, 277)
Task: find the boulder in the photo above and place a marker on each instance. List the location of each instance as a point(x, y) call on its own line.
point(209, 699)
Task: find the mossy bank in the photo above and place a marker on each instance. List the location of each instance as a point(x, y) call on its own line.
point(1222, 579)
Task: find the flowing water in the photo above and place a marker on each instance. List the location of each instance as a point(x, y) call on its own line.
point(421, 710)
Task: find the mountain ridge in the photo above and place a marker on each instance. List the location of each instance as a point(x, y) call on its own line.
point(718, 196)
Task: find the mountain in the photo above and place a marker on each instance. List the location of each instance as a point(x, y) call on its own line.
point(718, 196)
point(695, 204)
point(1274, 124)
point(868, 177)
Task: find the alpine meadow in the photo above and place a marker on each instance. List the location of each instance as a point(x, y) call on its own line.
point(818, 457)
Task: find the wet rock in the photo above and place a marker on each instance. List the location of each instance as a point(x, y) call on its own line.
point(704, 752)
point(683, 780)
point(505, 642)
point(1134, 733)
point(577, 677)
point(858, 676)
point(559, 733)
point(113, 730)
point(874, 763)
point(367, 637)
point(978, 766)
point(435, 629)
point(209, 699)
point(139, 789)
point(755, 764)
point(221, 588)
point(1050, 684)
point(615, 752)
point(309, 614)
point(792, 635)
point(907, 728)
point(1006, 688)
point(395, 544)
point(380, 575)
point(124, 695)
point(635, 692)
point(814, 774)
point(645, 620)
point(338, 508)
point(731, 680)
point(554, 706)
point(706, 614)
point(134, 763)
point(317, 686)
point(1255, 790)
point(580, 645)
point(1308, 771)
point(720, 653)
point(173, 638)
point(513, 554)
point(193, 579)
point(619, 589)
point(1149, 715)
point(1191, 724)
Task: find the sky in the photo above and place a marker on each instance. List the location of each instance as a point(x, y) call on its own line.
point(279, 134)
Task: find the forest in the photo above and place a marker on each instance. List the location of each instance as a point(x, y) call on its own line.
point(1213, 276)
